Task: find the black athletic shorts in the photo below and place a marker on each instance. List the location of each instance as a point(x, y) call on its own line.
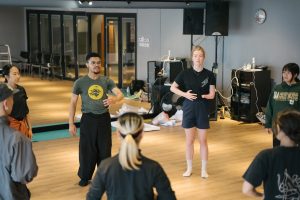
point(195, 114)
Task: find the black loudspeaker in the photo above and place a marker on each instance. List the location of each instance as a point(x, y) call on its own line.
point(217, 14)
point(193, 21)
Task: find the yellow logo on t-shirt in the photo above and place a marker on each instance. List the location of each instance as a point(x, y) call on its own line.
point(95, 92)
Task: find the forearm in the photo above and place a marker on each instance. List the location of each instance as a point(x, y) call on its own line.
point(177, 91)
point(72, 113)
point(253, 193)
point(28, 122)
point(211, 95)
point(118, 95)
point(249, 190)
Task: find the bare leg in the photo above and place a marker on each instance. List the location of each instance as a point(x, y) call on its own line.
point(203, 151)
point(189, 150)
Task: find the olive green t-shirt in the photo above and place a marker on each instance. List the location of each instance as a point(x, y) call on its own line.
point(92, 93)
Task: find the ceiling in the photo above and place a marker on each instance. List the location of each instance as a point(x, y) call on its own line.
point(73, 4)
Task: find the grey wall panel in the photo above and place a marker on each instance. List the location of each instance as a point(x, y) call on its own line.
point(12, 29)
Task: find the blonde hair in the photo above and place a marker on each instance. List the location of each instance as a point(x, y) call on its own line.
point(198, 48)
point(130, 127)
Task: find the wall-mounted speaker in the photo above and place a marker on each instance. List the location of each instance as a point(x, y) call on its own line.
point(193, 21)
point(217, 14)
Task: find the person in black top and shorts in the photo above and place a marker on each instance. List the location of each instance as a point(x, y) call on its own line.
point(19, 118)
point(197, 85)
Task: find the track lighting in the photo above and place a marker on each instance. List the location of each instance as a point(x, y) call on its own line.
point(89, 2)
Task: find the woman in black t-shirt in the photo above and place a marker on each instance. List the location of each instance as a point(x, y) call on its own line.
point(129, 174)
point(278, 168)
point(19, 117)
point(197, 85)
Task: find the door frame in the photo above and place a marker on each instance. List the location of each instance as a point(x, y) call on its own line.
point(119, 16)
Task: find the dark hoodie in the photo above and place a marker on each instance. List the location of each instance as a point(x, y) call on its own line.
point(282, 97)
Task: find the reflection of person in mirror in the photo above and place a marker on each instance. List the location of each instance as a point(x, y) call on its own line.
point(284, 95)
point(129, 174)
point(19, 117)
point(278, 168)
point(95, 128)
point(197, 85)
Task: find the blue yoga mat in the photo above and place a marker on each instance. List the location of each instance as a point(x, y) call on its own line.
point(53, 135)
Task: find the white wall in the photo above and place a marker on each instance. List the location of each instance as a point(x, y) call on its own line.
point(148, 27)
point(163, 28)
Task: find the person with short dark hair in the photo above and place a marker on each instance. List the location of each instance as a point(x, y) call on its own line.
point(19, 117)
point(95, 124)
point(284, 95)
point(278, 168)
point(197, 85)
point(130, 175)
point(17, 161)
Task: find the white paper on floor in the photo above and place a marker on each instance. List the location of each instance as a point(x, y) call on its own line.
point(147, 127)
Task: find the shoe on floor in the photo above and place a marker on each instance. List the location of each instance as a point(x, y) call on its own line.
point(83, 182)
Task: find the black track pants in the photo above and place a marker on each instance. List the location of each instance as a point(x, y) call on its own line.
point(94, 144)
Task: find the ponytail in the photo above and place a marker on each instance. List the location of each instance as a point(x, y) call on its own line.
point(130, 127)
point(129, 154)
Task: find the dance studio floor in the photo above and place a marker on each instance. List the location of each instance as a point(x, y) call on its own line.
point(232, 146)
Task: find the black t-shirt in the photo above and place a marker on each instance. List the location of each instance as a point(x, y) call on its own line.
point(198, 82)
point(20, 107)
point(279, 170)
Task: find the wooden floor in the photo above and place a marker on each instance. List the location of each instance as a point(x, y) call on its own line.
point(232, 146)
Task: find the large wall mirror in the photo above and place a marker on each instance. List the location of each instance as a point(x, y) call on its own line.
point(63, 40)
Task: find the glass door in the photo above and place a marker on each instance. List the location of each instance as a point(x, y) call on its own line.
point(45, 38)
point(33, 35)
point(128, 51)
point(56, 44)
point(97, 34)
point(82, 44)
point(69, 54)
point(120, 42)
point(112, 49)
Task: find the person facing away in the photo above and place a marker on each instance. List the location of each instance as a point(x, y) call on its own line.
point(17, 161)
point(95, 124)
point(284, 95)
point(197, 85)
point(278, 168)
point(130, 175)
point(19, 117)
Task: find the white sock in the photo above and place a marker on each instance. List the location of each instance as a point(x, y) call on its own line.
point(204, 173)
point(189, 166)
